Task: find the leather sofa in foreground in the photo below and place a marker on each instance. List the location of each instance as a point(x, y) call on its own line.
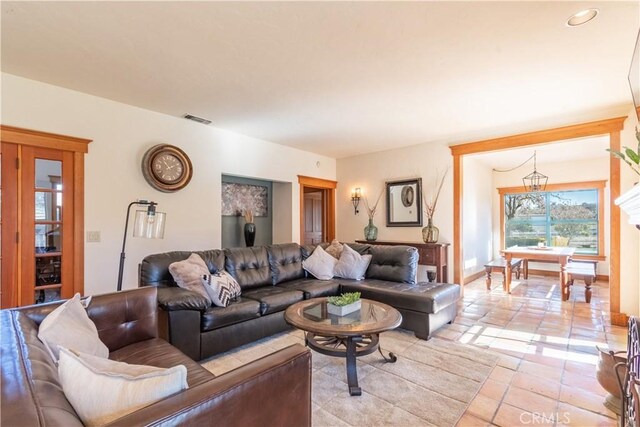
point(127, 324)
point(272, 278)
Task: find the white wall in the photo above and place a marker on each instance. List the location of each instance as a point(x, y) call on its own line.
point(477, 221)
point(121, 134)
point(371, 171)
point(558, 173)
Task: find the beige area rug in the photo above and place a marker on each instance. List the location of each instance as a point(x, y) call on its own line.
point(432, 383)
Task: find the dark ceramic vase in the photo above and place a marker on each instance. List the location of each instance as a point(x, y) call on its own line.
point(249, 234)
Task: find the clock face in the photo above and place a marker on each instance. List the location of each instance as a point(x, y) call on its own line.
point(166, 168)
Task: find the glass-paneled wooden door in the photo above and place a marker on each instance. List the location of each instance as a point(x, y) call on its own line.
point(41, 216)
point(8, 225)
point(47, 224)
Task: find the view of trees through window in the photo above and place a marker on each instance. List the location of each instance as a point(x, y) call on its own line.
point(554, 218)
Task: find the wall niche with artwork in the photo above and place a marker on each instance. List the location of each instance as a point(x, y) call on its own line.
point(242, 194)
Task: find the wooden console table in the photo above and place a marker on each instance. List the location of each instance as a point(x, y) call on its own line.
point(435, 254)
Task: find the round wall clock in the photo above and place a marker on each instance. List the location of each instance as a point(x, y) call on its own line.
point(166, 168)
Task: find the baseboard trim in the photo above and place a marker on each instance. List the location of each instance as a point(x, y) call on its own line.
point(619, 319)
point(474, 276)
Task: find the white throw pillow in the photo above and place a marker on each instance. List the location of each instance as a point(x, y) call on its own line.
point(320, 264)
point(103, 390)
point(221, 287)
point(69, 326)
point(351, 265)
point(188, 274)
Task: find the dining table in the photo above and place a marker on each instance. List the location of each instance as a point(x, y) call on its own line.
point(559, 254)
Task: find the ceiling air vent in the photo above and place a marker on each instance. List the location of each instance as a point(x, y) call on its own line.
point(197, 119)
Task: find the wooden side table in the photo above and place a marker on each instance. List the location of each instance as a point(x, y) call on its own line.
point(435, 254)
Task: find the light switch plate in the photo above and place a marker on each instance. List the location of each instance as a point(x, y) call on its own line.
point(93, 236)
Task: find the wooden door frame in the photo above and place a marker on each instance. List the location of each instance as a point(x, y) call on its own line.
point(328, 189)
point(611, 127)
point(72, 147)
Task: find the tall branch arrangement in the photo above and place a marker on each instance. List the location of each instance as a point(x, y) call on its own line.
point(431, 203)
point(248, 216)
point(371, 210)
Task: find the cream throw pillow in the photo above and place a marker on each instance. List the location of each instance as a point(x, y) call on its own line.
point(352, 265)
point(69, 326)
point(221, 287)
point(188, 274)
point(320, 264)
point(103, 390)
point(335, 249)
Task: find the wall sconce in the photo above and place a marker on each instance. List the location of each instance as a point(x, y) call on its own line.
point(355, 199)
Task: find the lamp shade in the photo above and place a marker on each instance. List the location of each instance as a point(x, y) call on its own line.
point(149, 224)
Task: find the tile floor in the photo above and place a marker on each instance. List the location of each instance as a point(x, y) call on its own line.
point(546, 374)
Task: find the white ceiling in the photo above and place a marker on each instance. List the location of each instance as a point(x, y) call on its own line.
point(558, 152)
point(336, 78)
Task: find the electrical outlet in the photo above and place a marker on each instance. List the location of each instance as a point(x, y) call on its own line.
point(93, 236)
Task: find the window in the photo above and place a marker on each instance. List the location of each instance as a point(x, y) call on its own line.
point(564, 215)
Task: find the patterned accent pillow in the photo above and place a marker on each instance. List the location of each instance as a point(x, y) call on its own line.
point(221, 288)
point(335, 249)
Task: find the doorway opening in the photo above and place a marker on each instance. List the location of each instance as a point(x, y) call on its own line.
point(317, 210)
point(610, 128)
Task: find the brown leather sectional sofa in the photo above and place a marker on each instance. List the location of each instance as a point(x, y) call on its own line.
point(127, 323)
point(272, 278)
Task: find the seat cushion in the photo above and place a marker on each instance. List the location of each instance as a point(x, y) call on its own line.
point(273, 299)
point(238, 310)
point(159, 353)
point(312, 288)
point(420, 297)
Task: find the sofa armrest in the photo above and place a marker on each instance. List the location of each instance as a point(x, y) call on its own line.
point(253, 394)
point(174, 298)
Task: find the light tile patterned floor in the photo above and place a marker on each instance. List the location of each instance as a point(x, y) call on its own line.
point(546, 375)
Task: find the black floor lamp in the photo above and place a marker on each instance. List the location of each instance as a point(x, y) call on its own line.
point(148, 224)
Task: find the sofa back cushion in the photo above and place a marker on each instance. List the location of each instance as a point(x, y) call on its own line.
point(154, 269)
point(285, 261)
point(31, 392)
point(249, 266)
point(393, 263)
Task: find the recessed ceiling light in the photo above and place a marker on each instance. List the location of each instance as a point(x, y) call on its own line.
point(582, 17)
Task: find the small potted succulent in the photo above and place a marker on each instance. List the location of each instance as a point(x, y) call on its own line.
point(344, 304)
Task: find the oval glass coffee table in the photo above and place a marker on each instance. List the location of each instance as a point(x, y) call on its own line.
point(349, 336)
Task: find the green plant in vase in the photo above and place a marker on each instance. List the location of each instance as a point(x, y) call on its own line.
point(344, 304)
point(344, 299)
point(371, 231)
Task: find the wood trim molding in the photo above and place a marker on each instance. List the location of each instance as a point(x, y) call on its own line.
point(458, 269)
point(36, 138)
point(309, 181)
point(470, 278)
point(585, 185)
point(329, 209)
point(599, 127)
point(619, 319)
point(614, 231)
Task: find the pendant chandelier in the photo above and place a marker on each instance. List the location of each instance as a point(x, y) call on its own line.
point(535, 181)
